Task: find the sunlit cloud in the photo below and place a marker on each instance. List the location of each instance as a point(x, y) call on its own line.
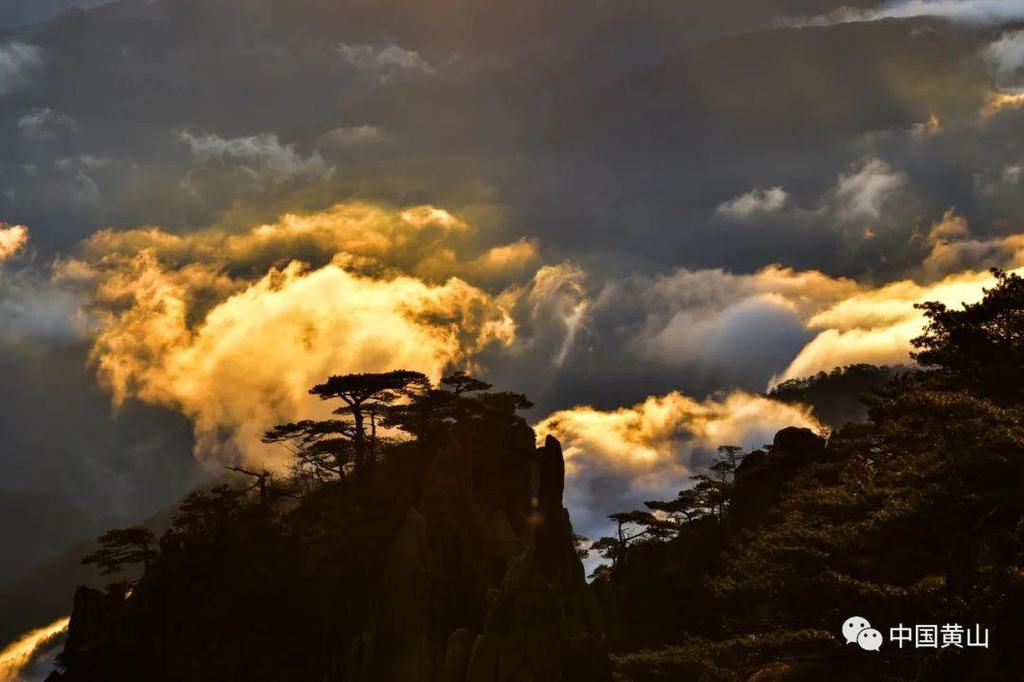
point(877, 325)
point(231, 329)
point(617, 459)
point(954, 249)
point(251, 359)
point(999, 102)
point(16, 656)
point(797, 322)
point(12, 240)
point(933, 126)
point(703, 322)
point(424, 241)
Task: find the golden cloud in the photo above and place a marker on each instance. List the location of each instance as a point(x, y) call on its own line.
point(658, 435)
point(877, 325)
point(231, 328)
point(422, 241)
point(12, 240)
point(226, 329)
point(16, 656)
point(954, 249)
point(806, 291)
point(689, 318)
point(619, 458)
point(1002, 101)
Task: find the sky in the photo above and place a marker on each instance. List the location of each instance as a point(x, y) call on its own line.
point(641, 216)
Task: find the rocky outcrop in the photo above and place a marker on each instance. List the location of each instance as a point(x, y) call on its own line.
point(468, 574)
point(761, 476)
point(484, 592)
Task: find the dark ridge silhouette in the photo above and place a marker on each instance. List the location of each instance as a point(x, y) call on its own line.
point(445, 555)
point(837, 396)
point(914, 516)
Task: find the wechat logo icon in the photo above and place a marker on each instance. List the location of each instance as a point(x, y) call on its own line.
point(858, 630)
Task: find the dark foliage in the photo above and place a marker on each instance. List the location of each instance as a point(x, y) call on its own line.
point(445, 554)
point(836, 396)
point(122, 548)
point(442, 554)
point(915, 516)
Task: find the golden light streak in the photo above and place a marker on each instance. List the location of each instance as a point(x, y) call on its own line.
point(17, 655)
point(1001, 101)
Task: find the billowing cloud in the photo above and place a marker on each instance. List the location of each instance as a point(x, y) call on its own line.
point(249, 362)
point(863, 193)
point(701, 323)
point(877, 325)
point(777, 323)
point(755, 202)
point(232, 329)
point(12, 240)
point(261, 161)
point(424, 241)
point(18, 63)
point(803, 321)
point(1006, 54)
point(166, 303)
point(954, 249)
point(869, 198)
point(617, 459)
point(199, 319)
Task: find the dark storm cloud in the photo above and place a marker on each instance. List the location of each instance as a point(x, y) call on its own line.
point(71, 459)
point(22, 12)
point(667, 152)
point(18, 64)
point(453, 84)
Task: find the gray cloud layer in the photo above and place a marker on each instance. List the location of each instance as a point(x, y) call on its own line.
point(666, 153)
